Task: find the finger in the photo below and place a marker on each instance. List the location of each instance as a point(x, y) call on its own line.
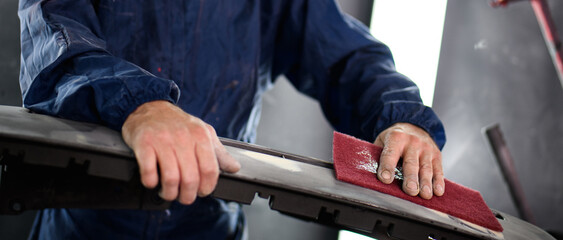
point(169, 173)
point(379, 140)
point(425, 175)
point(410, 170)
point(392, 151)
point(438, 175)
point(208, 167)
point(226, 162)
point(189, 173)
point(146, 159)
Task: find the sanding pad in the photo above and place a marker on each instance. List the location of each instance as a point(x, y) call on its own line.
point(354, 162)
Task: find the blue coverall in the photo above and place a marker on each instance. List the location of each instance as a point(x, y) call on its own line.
point(98, 60)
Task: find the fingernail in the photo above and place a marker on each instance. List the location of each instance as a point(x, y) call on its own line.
point(386, 175)
point(426, 189)
point(439, 188)
point(412, 185)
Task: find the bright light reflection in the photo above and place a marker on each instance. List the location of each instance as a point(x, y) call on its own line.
point(413, 31)
point(347, 235)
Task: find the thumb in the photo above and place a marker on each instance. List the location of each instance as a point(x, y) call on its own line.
point(226, 162)
point(379, 140)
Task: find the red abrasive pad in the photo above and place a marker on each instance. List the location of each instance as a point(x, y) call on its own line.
point(353, 161)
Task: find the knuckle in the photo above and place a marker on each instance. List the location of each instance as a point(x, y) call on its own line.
point(437, 167)
point(209, 171)
point(161, 136)
point(410, 161)
point(207, 189)
point(187, 198)
point(205, 147)
point(437, 155)
point(425, 180)
point(206, 192)
point(148, 182)
point(168, 197)
point(170, 179)
point(200, 132)
point(426, 167)
point(145, 138)
point(430, 147)
point(410, 170)
point(387, 152)
point(409, 176)
point(180, 132)
point(397, 134)
point(189, 182)
point(414, 140)
point(438, 175)
point(147, 169)
point(211, 129)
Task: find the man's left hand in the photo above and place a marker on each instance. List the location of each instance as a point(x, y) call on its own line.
point(422, 160)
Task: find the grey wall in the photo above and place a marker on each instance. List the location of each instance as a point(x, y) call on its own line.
point(294, 123)
point(9, 53)
point(11, 227)
point(495, 68)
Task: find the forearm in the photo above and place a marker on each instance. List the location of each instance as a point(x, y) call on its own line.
point(334, 59)
point(96, 88)
point(67, 72)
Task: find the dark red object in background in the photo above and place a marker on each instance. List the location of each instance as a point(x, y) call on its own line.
point(353, 161)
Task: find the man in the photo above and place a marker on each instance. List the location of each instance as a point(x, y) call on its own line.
point(172, 76)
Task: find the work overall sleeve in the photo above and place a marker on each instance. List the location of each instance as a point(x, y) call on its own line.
point(66, 70)
point(350, 73)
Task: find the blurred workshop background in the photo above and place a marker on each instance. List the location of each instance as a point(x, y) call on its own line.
point(476, 65)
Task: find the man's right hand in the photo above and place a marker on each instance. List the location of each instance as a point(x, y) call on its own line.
point(186, 149)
